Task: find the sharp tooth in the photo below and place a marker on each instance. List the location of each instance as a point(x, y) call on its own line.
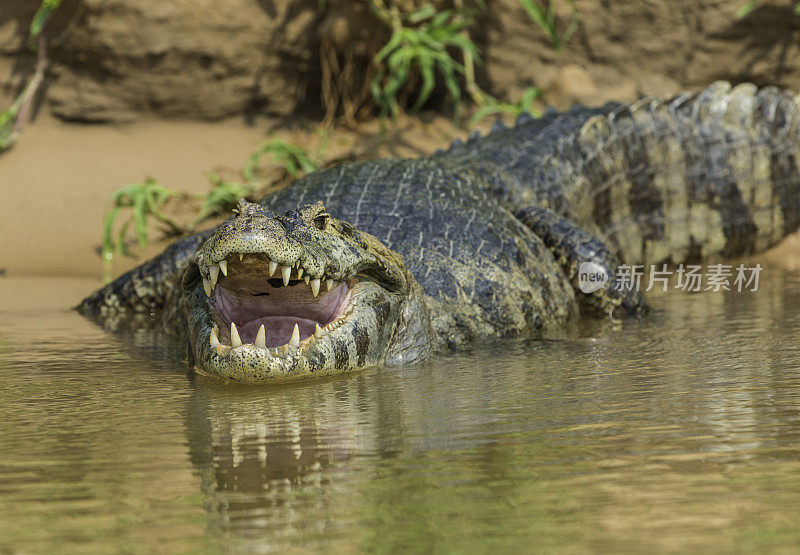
point(318, 331)
point(299, 273)
point(207, 286)
point(272, 267)
point(214, 338)
point(213, 273)
point(261, 338)
point(307, 278)
point(329, 284)
point(315, 287)
point(275, 351)
point(295, 340)
point(223, 265)
point(235, 340)
point(241, 255)
point(286, 271)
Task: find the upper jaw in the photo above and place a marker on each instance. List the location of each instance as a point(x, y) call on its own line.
point(311, 270)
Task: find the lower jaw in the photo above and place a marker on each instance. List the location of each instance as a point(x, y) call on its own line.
point(251, 364)
point(273, 364)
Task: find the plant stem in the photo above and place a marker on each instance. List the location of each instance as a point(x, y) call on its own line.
point(478, 96)
point(390, 16)
point(29, 94)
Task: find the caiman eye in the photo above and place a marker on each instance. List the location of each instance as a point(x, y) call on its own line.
point(347, 229)
point(321, 220)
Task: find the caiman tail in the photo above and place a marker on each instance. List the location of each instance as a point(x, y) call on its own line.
point(700, 176)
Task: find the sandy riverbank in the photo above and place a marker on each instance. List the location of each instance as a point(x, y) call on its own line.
point(58, 179)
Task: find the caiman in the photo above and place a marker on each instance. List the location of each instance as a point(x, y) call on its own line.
point(394, 260)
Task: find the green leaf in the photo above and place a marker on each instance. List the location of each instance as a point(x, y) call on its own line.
point(41, 16)
point(534, 12)
point(441, 18)
point(528, 96)
point(546, 20)
point(145, 200)
point(140, 219)
point(292, 158)
point(747, 7)
point(484, 112)
point(428, 82)
point(108, 230)
point(120, 247)
point(425, 12)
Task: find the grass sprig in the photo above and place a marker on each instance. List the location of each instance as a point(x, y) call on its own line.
point(295, 159)
point(421, 43)
point(145, 200)
point(495, 107)
point(545, 18)
point(13, 118)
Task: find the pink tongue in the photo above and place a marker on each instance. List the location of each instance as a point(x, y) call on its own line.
point(278, 329)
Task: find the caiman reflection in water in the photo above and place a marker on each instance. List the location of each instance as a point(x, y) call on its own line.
point(271, 461)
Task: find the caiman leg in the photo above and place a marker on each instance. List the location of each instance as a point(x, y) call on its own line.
point(572, 246)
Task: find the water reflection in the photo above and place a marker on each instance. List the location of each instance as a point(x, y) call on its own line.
point(266, 457)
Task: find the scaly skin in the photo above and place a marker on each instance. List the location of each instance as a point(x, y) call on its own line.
point(384, 298)
point(479, 241)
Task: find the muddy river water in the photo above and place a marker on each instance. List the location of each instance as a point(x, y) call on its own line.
point(680, 431)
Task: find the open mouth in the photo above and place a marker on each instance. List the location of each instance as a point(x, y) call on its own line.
point(258, 302)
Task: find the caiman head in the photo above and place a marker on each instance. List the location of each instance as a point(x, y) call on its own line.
point(280, 297)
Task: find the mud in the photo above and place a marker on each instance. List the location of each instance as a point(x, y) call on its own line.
point(120, 60)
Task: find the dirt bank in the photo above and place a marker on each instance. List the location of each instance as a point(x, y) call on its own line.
point(120, 60)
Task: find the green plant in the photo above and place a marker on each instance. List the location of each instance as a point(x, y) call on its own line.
point(8, 118)
point(145, 200)
point(293, 158)
point(41, 16)
point(222, 196)
point(545, 18)
point(420, 42)
point(423, 43)
point(494, 107)
point(748, 7)
point(13, 118)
